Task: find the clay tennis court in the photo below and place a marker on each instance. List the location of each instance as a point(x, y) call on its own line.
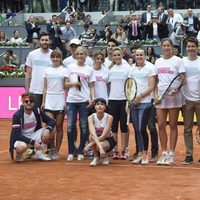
point(62, 180)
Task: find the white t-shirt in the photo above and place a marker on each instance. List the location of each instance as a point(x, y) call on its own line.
point(117, 77)
point(17, 41)
point(55, 79)
point(100, 78)
point(141, 76)
point(191, 90)
point(30, 124)
point(167, 69)
point(71, 60)
point(74, 94)
point(39, 62)
point(108, 62)
point(100, 124)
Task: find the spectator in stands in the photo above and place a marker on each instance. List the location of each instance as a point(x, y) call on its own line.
point(119, 35)
point(3, 37)
point(173, 20)
point(80, 15)
point(163, 30)
point(10, 59)
point(179, 33)
point(69, 11)
point(176, 52)
point(106, 32)
point(17, 5)
point(90, 51)
point(193, 22)
point(145, 19)
point(33, 31)
point(67, 33)
point(86, 37)
point(89, 20)
point(133, 51)
point(54, 30)
point(134, 28)
point(153, 28)
point(151, 55)
point(96, 37)
point(9, 13)
point(16, 38)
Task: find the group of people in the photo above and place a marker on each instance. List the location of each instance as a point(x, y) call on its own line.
point(80, 85)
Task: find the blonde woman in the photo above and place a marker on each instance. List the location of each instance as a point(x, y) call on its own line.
point(80, 97)
point(118, 73)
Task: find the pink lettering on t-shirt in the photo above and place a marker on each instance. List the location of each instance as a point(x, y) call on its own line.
point(100, 78)
point(165, 70)
point(30, 125)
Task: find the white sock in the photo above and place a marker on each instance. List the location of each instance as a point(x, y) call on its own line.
point(43, 146)
point(171, 153)
point(164, 153)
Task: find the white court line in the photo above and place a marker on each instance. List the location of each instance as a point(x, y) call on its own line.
point(4, 151)
point(111, 165)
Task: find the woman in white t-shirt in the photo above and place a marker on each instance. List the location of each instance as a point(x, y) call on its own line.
point(100, 76)
point(80, 97)
point(54, 98)
point(168, 67)
point(144, 74)
point(117, 101)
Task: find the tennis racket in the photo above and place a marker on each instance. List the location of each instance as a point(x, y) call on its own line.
point(173, 87)
point(130, 90)
point(198, 135)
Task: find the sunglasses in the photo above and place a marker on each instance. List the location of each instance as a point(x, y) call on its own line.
point(26, 101)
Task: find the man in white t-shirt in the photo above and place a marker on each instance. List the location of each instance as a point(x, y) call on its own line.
point(37, 62)
point(191, 93)
point(74, 43)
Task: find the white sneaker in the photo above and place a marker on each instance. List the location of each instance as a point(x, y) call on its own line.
point(105, 161)
point(19, 157)
point(161, 160)
point(40, 156)
point(80, 157)
point(70, 157)
point(145, 161)
point(96, 161)
point(54, 154)
point(138, 160)
point(170, 160)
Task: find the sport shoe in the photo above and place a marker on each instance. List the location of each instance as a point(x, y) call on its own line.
point(153, 159)
point(145, 160)
point(90, 153)
point(188, 160)
point(96, 161)
point(116, 155)
point(123, 155)
point(19, 157)
point(48, 153)
point(127, 153)
point(170, 160)
point(105, 161)
point(135, 155)
point(30, 153)
point(161, 160)
point(80, 157)
point(41, 156)
point(137, 160)
point(54, 154)
point(70, 157)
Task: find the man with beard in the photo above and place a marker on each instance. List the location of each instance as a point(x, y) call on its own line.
point(27, 130)
point(37, 62)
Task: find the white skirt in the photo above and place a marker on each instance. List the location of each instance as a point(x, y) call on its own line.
point(55, 102)
point(175, 101)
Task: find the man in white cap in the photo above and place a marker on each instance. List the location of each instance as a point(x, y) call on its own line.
point(74, 43)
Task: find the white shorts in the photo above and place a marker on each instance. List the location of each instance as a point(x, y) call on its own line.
point(37, 136)
point(55, 102)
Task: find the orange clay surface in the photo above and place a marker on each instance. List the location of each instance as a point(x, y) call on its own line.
point(76, 180)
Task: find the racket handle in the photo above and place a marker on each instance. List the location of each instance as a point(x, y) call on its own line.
point(128, 118)
point(79, 80)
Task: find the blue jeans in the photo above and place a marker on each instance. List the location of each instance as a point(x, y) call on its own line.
point(153, 131)
point(140, 116)
point(72, 110)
